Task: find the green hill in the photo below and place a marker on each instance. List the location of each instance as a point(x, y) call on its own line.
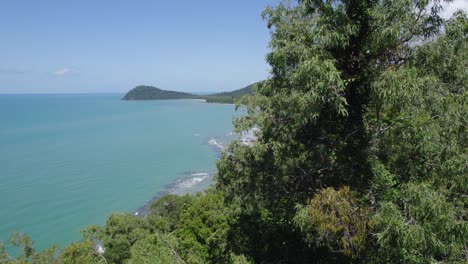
point(229, 97)
point(152, 93)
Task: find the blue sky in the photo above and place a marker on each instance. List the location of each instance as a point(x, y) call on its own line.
point(111, 46)
point(83, 46)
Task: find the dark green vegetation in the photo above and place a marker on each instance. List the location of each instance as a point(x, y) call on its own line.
point(153, 93)
point(361, 154)
point(229, 97)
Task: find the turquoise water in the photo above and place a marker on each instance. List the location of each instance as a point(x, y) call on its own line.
point(68, 161)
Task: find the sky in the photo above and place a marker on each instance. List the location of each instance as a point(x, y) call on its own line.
point(100, 46)
point(111, 45)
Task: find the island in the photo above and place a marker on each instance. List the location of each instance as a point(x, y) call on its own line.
point(144, 92)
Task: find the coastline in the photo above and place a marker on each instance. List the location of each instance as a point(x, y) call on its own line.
point(192, 182)
point(189, 183)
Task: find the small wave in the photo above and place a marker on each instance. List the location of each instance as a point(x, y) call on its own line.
point(200, 174)
point(213, 142)
point(198, 179)
point(190, 182)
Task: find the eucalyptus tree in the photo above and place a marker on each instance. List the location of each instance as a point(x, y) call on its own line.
point(366, 95)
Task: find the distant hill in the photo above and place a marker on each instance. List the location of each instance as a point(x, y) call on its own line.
point(152, 93)
point(229, 97)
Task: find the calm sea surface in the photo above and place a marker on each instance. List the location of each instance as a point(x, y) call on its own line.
point(68, 161)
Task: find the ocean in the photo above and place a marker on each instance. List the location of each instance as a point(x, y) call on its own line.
point(69, 161)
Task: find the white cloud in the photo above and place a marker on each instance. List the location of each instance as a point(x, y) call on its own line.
point(450, 8)
point(63, 71)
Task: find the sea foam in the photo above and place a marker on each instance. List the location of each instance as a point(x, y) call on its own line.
point(213, 142)
point(191, 183)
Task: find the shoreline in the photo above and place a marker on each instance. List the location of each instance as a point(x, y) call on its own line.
point(191, 182)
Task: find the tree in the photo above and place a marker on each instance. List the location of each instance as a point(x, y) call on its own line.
point(168, 209)
point(28, 253)
point(81, 252)
point(355, 100)
point(203, 229)
point(119, 234)
point(334, 219)
point(155, 248)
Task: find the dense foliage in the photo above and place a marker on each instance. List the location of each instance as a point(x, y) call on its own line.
point(361, 153)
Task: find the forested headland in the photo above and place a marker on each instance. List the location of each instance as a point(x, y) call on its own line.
point(361, 152)
point(144, 92)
